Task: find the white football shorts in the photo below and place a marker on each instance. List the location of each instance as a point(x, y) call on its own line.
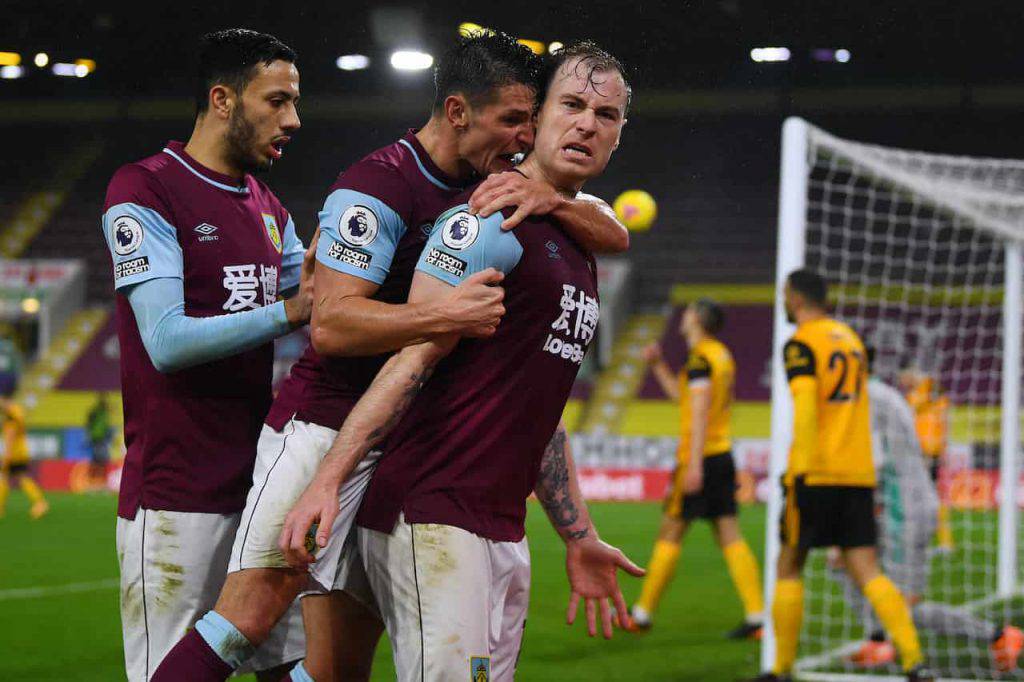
point(173, 566)
point(454, 603)
point(286, 462)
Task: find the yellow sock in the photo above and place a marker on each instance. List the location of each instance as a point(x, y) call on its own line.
point(787, 616)
point(746, 577)
point(944, 531)
point(5, 490)
point(659, 574)
point(31, 489)
point(891, 609)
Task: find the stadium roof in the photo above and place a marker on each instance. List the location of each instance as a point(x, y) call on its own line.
point(145, 48)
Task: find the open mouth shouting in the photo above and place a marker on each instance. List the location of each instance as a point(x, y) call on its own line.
point(577, 151)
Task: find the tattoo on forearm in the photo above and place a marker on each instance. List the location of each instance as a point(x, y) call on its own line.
point(553, 488)
point(338, 450)
point(415, 383)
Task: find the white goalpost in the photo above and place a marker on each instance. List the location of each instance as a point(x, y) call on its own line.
point(924, 260)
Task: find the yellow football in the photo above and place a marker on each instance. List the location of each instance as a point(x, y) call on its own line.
point(636, 209)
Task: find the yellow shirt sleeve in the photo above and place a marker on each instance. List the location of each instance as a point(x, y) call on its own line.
point(804, 390)
point(803, 386)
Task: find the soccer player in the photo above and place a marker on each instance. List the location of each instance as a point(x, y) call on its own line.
point(98, 432)
point(374, 224)
point(704, 483)
point(830, 478)
point(931, 417)
point(907, 505)
point(442, 532)
point(16, 459)
point(201, 251)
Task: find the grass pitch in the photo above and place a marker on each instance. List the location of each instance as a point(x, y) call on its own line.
point(59, 615)
point(50, 633)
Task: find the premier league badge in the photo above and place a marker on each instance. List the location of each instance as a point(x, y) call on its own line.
point(127, 235)
point(460, 230)
point(358, 225)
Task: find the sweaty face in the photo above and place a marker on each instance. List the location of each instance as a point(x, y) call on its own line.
point(264, 117)
point(579, 125)
point(499, 130)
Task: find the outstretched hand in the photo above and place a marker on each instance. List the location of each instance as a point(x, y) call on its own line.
point(503, 190)
point(592, 567)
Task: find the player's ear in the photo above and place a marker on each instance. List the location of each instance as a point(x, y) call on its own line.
point(618, 138)
point(456, 110)
point(222, 101)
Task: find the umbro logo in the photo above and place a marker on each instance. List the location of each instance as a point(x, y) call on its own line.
point(206, 232)
point(552, 250)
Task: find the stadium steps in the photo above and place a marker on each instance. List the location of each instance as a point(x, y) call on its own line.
point(40, 380)
point(619, 382)
point(36, 210)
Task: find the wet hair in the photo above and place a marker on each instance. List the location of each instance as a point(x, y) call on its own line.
point(230, 58)
point(478, 64)
point(709, 314)
point(810, 285)
point(592, 58)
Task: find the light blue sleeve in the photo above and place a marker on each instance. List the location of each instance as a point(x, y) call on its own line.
point(292, 252)
point(142, 244)
point(358, 235)
point(462, 244)
point(175, 341)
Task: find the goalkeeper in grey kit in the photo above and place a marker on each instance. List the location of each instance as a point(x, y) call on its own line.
point(908, 505)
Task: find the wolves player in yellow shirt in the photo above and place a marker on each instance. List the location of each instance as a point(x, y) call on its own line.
point(931, 418)
point(15, 459)
point(704, 485)
point(830, 480)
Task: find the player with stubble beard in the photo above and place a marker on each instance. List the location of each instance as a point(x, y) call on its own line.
point(201, 250)
point(468, 424)
point(375, 221)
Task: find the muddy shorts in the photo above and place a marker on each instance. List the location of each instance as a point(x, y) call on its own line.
point(173, 565)
point(454, 603)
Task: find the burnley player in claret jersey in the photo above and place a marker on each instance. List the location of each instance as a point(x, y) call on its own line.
point(442, 524)
point(202, 252)
point(376, 218)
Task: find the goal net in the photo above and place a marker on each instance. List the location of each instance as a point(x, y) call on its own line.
point(922, 254)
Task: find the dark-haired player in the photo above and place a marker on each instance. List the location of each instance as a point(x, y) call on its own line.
point(704, 484)
point(374, 224)
point(830, 479)
point(442, 531)
point(201, 251)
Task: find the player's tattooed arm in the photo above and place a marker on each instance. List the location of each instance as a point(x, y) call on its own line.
point(558, 489)
point(382, 406)
point(590, 221)
point(591, 564)
point(371, 420)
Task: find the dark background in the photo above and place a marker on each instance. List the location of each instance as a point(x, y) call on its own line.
point(703, 136)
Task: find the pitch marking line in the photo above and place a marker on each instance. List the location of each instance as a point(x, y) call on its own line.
point(54, 590)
